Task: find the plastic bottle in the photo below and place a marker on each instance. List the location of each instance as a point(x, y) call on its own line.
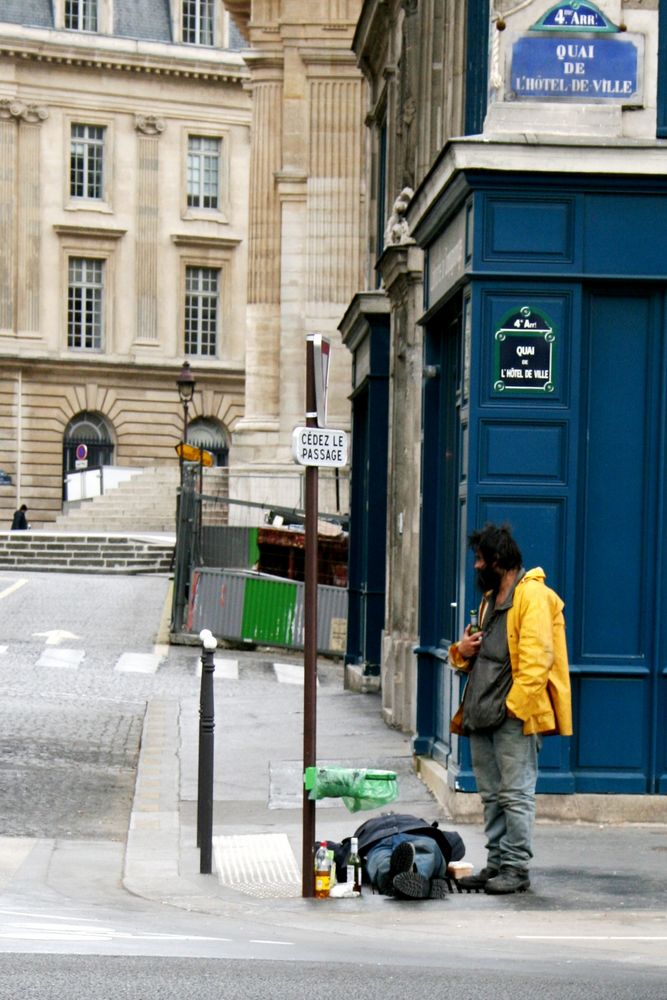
point(322, 872)
point(354, 866)
point(474, 621)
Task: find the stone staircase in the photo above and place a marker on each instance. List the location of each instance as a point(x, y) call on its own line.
point(144, 503)
point(73, 552)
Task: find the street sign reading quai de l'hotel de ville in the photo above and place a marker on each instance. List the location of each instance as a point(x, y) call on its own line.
point(574, 53)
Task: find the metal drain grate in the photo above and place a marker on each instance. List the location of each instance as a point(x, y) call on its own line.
point(261, 865)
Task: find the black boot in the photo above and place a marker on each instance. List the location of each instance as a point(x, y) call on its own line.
point(476, 882)
point(508, 880)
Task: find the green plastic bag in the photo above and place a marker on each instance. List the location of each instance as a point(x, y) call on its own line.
point(359, 788)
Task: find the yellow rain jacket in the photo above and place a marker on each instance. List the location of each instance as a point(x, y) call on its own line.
point(540, 692)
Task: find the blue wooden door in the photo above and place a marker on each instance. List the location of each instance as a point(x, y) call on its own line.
point(620, 647)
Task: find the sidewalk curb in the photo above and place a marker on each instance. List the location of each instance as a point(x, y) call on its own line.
point(153, 839)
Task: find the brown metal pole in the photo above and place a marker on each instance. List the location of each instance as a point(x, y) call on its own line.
point(310, 640)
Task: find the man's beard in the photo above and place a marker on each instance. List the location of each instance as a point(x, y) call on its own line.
point(488, 579)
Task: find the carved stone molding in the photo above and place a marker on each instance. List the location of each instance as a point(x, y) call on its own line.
point(33, 114)
point(149, 124)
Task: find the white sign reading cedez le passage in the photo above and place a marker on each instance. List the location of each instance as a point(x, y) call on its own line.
point(321, 446)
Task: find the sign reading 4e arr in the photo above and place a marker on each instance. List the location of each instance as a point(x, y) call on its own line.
point(321, 446)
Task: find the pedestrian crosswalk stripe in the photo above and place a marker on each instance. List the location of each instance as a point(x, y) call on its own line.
point(289, 673)
point(70, 659)
point(138, 663)
point(225, 669)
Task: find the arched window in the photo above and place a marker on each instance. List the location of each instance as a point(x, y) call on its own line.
point(92, 430)
point(209, 434)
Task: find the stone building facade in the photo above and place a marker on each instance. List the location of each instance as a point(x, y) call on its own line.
point(124, 164)
point(182, 179)
point(527, 361)
point(413, 57)
point(307, 205)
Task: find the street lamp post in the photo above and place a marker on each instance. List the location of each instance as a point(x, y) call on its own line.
point(186, 383)
point(186, 388)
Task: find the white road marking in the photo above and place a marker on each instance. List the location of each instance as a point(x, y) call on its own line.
point(12, 588)
point(289, 673)
point(225, 669)
point(138, 663)
point(287, 944)
point(56, 636)
point(84, 932)
point(69, 659)
point(591, 937)
point(3, 649)
point(54, 927)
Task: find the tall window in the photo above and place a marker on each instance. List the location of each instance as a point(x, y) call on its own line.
point(85, 328)
point(203, 172)
point(201, 310)
point(81, 15)
point(87, 162)
point(198, 22)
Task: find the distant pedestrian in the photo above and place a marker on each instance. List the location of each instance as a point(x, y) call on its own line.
point(518, 691)
point(20, 521)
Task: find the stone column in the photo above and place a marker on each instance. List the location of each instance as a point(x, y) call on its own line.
point(334, 202)
point(263, 342)
point(149, 130)
point(8, 147)
point(28, 243)
point(20, 223)
point(401, 268)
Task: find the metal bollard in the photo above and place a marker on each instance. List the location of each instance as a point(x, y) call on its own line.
point(206, 748)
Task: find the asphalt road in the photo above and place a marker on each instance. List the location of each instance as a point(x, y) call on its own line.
point(45, 977)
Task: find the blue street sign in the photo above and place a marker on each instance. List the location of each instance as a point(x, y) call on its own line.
point(603, 68)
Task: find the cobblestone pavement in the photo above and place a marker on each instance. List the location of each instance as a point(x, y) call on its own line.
point(70, 719)
point(79, 663)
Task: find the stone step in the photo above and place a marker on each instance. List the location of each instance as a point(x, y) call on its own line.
point(90, 553)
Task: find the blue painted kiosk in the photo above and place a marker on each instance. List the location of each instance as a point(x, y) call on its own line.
point(545, 404)
point(365, 329)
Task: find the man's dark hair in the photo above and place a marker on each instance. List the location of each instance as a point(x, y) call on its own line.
point(496, 545)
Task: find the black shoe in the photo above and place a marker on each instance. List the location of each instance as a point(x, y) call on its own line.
point(402, 859)
point(411, 885)
point(508, 880)
point(478, 881)
point(440, 888)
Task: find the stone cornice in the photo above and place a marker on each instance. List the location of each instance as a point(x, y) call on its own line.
point(121, 55)
point(312, 56)
point(371, 38)
point(205, 242)
point(354, 324)
point(57, 366)
point(401, 267)
point(89, 232)
point(442, 188)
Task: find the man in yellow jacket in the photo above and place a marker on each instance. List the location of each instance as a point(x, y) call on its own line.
point(518, 690)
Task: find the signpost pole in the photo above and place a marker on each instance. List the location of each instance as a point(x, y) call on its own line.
point(310, 638)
